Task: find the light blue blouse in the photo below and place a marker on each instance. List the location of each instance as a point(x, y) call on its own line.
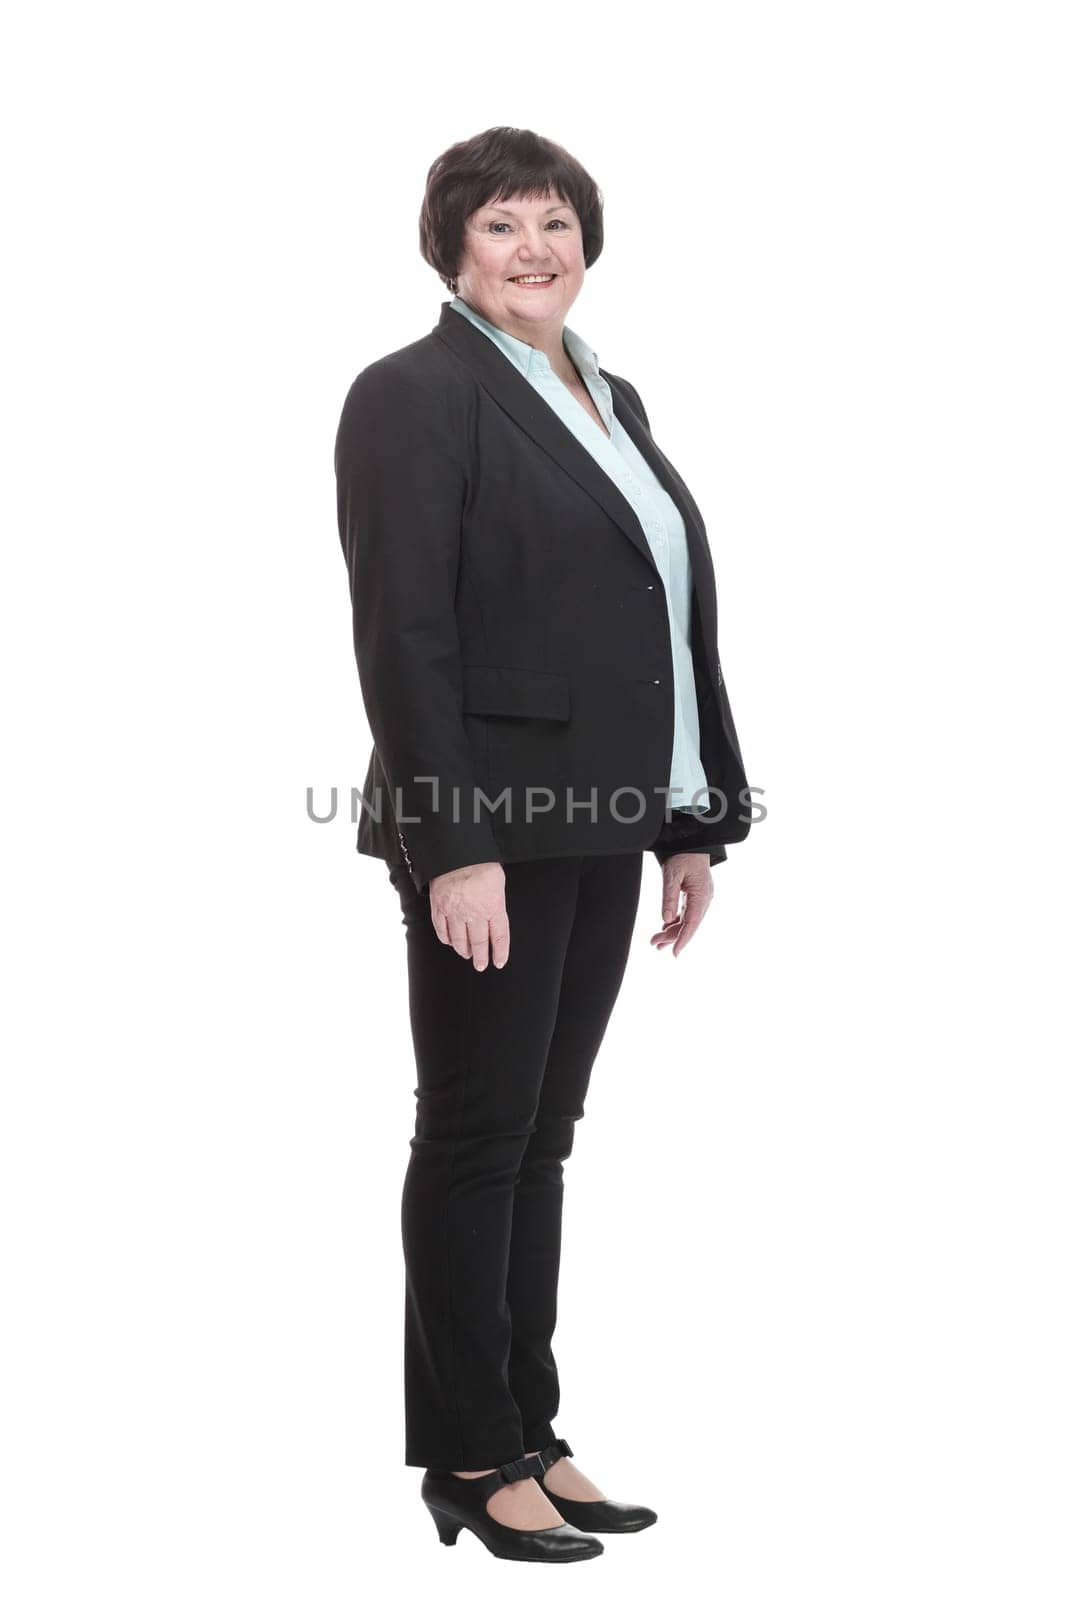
point(659, 517)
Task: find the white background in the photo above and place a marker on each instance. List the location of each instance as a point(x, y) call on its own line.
point(812, 1298)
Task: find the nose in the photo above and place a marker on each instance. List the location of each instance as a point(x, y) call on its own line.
point(533, 247)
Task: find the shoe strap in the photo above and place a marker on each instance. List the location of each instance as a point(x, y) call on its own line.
point(551, 1453)
point(510, 1472)
point(524, 1467)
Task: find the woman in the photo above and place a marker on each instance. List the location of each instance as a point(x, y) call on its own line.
point(535, 633)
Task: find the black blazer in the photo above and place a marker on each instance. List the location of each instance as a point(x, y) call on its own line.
point(511, 630)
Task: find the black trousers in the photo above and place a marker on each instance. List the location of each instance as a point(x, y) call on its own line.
point(503, 1060)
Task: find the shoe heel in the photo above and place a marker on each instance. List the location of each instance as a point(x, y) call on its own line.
point(447, 1525)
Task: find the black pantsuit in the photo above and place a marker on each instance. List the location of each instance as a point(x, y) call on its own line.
point(514, 646)
point(503, 1061)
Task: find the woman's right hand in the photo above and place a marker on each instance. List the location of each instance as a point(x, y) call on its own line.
point(468, 911)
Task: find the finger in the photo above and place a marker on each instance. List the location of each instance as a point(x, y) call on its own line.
point(457, 936)
point(500, 935)
point(671, 889)
point(477, 930)
point(693, 917)
point(697, 905)
point(440, 924)
point(683, 932)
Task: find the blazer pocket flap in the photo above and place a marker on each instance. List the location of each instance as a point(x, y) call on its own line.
point(516, 692)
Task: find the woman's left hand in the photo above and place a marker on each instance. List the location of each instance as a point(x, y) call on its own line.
point(688, 874)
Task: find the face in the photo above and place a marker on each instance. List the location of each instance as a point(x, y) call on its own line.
point(513, 239)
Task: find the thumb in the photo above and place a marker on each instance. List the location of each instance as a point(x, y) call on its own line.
point(671, 888)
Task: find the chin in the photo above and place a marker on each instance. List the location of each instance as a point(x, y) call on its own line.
point(530, 299)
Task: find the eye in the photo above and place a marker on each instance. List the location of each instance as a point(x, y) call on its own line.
point(559, 222)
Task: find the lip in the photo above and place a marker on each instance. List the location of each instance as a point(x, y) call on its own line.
point(553, 279)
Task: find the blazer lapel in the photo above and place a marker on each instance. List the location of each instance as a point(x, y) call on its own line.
point(536, 417)
point(672, 482)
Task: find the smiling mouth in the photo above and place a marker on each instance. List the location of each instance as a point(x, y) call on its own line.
point(534, 280)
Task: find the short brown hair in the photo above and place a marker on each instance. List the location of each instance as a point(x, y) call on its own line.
point(495, 165)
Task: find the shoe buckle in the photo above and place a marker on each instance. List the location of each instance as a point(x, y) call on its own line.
point(524, 1467)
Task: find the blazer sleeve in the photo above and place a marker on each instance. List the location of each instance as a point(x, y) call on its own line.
point(670, 844)
point(677, 836)
point(400, 489)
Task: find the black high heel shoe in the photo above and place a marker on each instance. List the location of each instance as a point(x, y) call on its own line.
point(456, 1503)
point(594, 1516)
